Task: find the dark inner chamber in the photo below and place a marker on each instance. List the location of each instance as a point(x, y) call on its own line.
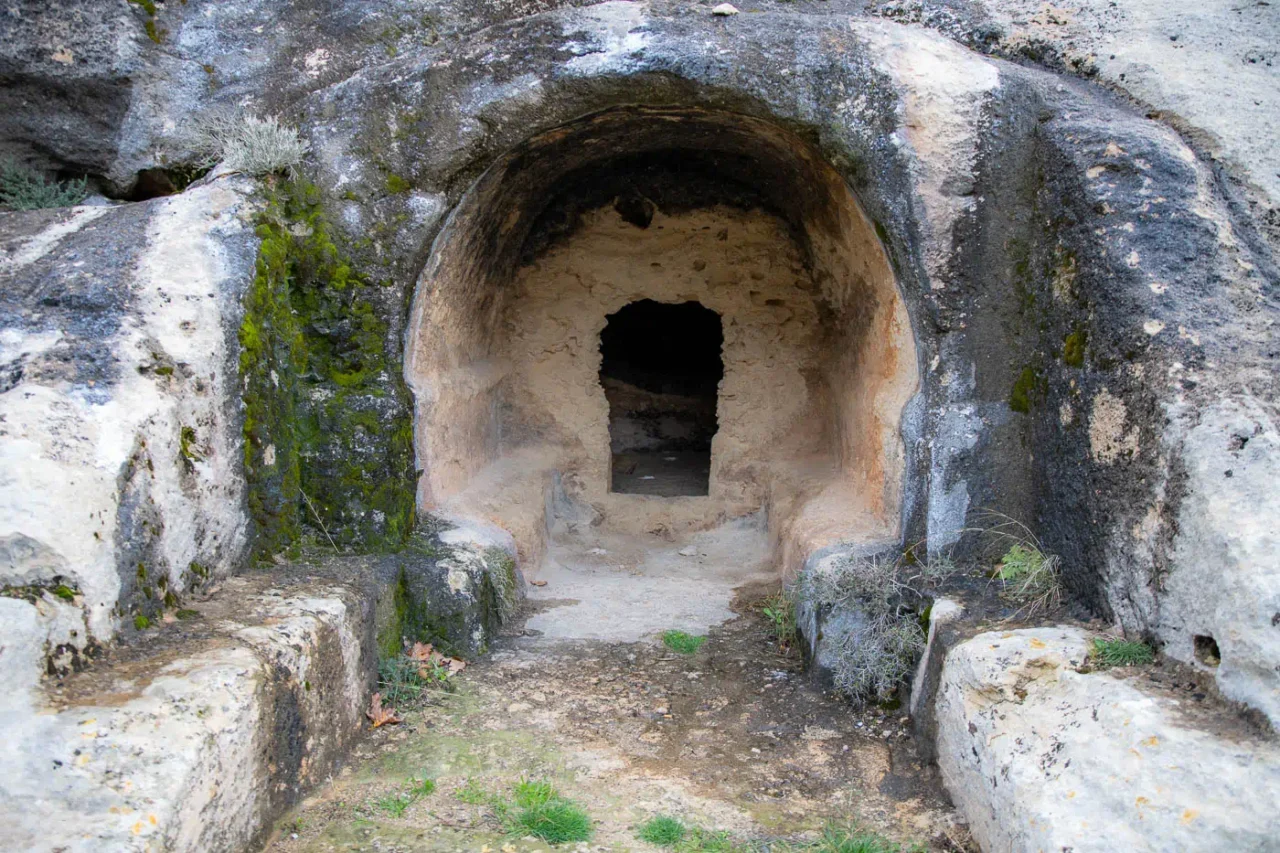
point(661, 372)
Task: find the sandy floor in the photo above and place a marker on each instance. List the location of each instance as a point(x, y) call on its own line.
point(625, 588)
point(731, 738)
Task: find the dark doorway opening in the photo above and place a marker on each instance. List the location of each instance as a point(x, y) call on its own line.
point(661, 372)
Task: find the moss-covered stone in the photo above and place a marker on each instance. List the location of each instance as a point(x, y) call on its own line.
point(455, 597)
point(328, 429)
point(1022, 395)
point(1073, 347)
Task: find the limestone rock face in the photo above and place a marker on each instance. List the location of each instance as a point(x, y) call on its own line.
point(120, 428)
point(194, 743)
point(1073, 362)
point(1040, 756)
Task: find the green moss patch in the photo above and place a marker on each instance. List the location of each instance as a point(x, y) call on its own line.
point(327, 417)
point(1073, 347)
point(1024, 389)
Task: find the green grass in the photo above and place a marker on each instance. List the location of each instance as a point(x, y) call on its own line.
point(662, 831)
point(400, 679)
point(1109, 653)
point(471, 793)
point(835, 840)
point(711, 841)
point(679, 641)
point(672, 834)
point(395, 805)
point(555, 822)
point(1030, 578)
point(531, 794)
point(535, 809)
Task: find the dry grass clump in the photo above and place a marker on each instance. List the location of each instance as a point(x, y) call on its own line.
point(870, 662)
point(244, 143)
point(1030, 576)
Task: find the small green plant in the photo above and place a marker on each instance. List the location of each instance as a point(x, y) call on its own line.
point(780, 612)
point(529, 794)
point(846, 840)
point(64, 592)
point(395, 804)
point(141, 622)
point(1030, 577)
point(471, 793)
point(1109, 653)
point(187, 445)
point(712, 841)
point(24, 189)
point(555, 822)
point(423, 788)
point(186, 613)
point(682, 643)
point(662, 831)
point(535, 809)
point(403, 680)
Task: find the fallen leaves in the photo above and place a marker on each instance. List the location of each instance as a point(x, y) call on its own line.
point(379, 715)
point(426, 653)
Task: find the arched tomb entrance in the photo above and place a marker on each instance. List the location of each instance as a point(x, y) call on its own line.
point(779, 351)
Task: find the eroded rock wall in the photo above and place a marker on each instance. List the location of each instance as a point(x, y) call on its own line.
point(120, 485)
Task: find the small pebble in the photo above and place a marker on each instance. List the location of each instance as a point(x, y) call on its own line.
point(724, 10)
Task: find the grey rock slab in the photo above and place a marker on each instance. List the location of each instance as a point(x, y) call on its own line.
point(1038, 755)
point(196, 739)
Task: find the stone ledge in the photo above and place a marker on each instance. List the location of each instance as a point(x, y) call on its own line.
point(197, 737)
point(1041, 756)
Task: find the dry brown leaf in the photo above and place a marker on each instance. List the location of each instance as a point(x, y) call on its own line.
point(456, 666)
point(422, 651)
point(379, 715)
point(538, 583)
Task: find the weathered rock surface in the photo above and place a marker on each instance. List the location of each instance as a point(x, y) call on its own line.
point(1211, 70)
point(455, 590)
point(196, 736)
point(1040, 756)
point(120, 428)
point(1081, 286)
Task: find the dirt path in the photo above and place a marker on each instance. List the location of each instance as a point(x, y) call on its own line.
point(732, 738)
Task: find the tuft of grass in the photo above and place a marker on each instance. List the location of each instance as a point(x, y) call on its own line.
point(679, 641)
point(423, 788)
point(402, 680)
point(1030, 577)
point(245, 143)
point(662, 831)
point(837, 839)
point(555, 822)
point(471, 793)
point(535, 809)
point(1109, 653)
point(141, 622)
point(530, 794)
point(22, 188)
point(395, 805)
